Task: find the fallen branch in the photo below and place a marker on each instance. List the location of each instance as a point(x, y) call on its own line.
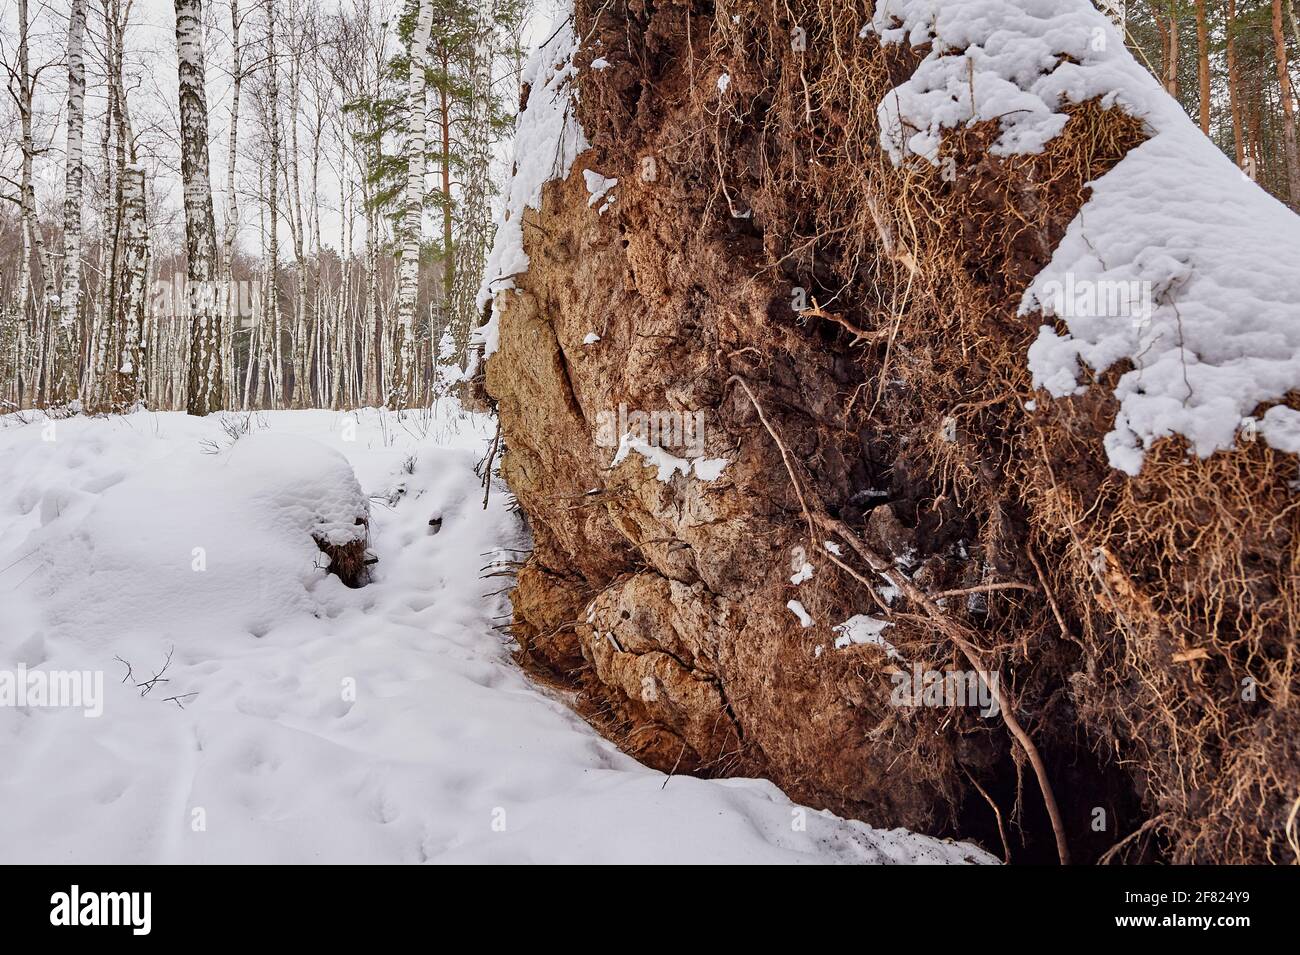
point(487, 470)
point(158, 677)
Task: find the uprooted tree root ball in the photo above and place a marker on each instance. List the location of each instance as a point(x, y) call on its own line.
point(849, 328)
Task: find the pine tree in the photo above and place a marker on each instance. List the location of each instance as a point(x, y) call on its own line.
point(1288, 108)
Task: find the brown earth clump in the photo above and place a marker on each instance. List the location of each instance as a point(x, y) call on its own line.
point(850, 332)
point(348, 560)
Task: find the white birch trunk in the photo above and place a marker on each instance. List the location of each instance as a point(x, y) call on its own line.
point(275, 352)
point(134, 265)
point(205, 380)
point(301, 394)
point(70, 299)
point(231, 229)
point(409, 274)
point(33, 242)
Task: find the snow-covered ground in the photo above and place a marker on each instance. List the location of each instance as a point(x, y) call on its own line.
point(298, 720)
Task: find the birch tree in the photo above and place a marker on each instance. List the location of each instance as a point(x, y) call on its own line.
point(231, 228)
point(130, 372)
point(359, 68)
point(205, 381)
point(413, 215)
point(115, 317)
point(70, 297)
point(274, 351)
point(33, 243)
point(299, 358)
point(105, 307)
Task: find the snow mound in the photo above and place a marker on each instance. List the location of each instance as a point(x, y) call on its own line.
point(1177, 263)
point(234, 532)
point(299, 485)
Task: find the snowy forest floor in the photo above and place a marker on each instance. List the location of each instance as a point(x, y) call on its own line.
point(297, 720)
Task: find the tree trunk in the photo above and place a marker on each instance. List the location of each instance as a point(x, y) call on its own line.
point(1171, 66)
point(70, 299)
point(31, 235)
point(1295, 24)
point(205, 379)
point(231, 229)
point(275, 352)
point(97, 355)
point(448, 239)
point(409, 275)
point(110, 335)
point(1203, 64)
point(130, 380)
point(374, 324)
point(1163, 22)
point(321, 344)
point(1288, 108)
point(1234, 84)
point(342, 318)
point(1253, 146)
point(300, 397)
point(252, 376)
point(33, 242)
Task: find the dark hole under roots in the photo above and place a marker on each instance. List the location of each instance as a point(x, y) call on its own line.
point(1083, 787)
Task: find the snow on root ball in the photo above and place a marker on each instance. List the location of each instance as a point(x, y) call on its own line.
point(1018, 63)
point(1178, 264)
point(548, 138)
